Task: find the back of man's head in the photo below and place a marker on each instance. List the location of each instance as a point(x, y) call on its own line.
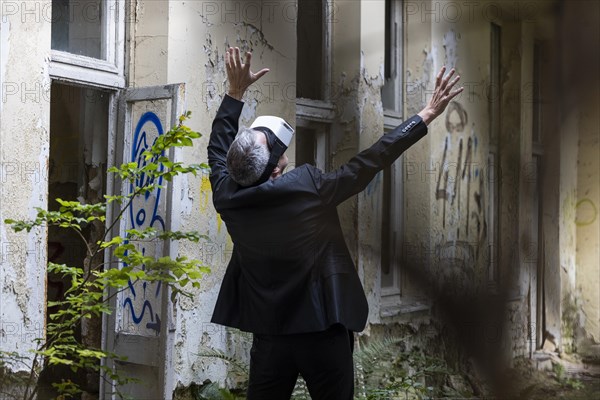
point(246, 158)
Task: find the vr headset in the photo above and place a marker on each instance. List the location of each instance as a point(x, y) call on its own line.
point(279, 135)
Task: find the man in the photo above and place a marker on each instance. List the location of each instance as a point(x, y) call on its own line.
point(291, 280)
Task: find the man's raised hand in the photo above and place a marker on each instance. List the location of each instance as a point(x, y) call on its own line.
point(239, 74)
point(442, 95)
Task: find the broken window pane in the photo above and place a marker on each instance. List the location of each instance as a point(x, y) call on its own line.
point(77, 27)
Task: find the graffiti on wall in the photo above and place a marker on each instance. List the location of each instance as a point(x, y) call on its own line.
point(460, 189)
point(142, 299)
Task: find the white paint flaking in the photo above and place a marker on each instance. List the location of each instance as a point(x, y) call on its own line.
point(418, 86)
point(248, 112)
point(215, 78)
point(190, 367)
point(17, 333)
point(450, 48)
point(39, 187)
point(186, 199)
point(428, 70)
point(4, 45)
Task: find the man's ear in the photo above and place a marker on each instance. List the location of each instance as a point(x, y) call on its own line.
point(276, 171)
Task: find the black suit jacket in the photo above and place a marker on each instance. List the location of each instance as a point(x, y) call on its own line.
point(290, 270)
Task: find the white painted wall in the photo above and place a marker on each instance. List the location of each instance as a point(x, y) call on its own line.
point(184, 41)
point(24, 127)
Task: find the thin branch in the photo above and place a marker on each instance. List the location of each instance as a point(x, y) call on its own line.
point(87, 245)
point(30, 380)
point(118, 218)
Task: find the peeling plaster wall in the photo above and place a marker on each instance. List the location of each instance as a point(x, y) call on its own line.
point(570, 130)
point(551, 202)
point(184, 41)
point(459, 146)
point(357, 79)
point(584, 27)
point(586, 214)
point(24, 127)
point(567, 228)
point(456, 230)
point(568, 200)
point(444, 219)
point(198, 36)
point(447, 178)
point(448, 188)
point(370, 117)
point(572, 309)
point(4, 46)
point(510, 165)
point(150, 45)
point(528, 178)
point(344, 140)
point(420, 45)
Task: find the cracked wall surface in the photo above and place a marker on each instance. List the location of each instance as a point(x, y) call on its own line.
point(446, 177)
point(24, 148)
point(587, 202)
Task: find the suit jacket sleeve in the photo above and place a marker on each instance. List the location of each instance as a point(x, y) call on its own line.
point(224, 129)
point(354, 176)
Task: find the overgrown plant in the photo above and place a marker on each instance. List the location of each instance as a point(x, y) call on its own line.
point(95, 283)
point(239, 371)
point(384, 370)
point(10, 382)
point(564, 379)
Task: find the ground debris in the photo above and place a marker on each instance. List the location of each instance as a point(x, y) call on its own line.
point(568, 378)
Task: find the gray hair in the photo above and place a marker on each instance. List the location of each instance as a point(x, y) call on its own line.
point(246, 158)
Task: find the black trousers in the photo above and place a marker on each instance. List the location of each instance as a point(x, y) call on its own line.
point(324, 359)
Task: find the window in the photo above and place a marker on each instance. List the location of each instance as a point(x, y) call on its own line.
point(311, 42)
point(312, 146)
point(314, 111)
point(391, 92)
point(396, 295)
point(77, 27)
point(392, 230)
point(88, 42)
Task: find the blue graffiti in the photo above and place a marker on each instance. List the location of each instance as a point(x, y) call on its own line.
point(138, 318)
point(138, 217)
point(140, 145)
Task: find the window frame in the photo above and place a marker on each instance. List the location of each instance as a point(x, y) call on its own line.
point(395, 233)
point(319, 114)
point(394, 299)
point(393, 87)
point(105, 73)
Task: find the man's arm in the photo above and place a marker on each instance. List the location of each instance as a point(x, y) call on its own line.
point(354, 176)
point(225, 124)
point(224, 129)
